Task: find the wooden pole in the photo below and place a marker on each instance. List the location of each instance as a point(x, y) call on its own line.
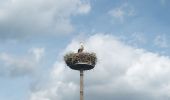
point(81, 84)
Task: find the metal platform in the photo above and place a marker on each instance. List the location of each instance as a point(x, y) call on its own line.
point(82, 66)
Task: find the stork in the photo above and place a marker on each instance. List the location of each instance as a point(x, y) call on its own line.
point(81, 48)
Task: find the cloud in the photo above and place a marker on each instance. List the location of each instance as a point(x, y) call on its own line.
point(122, 12)
point(163, 2)
point(161, 41)
point(122, 72)
point(135, 39)
point(38, 52)
point(18, 66)
point(21, 18)
point(84, 8)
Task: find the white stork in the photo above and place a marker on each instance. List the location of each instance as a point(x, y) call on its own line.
point(81, 48)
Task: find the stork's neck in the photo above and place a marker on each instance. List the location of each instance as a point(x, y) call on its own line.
point(81, 46)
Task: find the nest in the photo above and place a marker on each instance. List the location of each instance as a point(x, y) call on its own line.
point(74, 58)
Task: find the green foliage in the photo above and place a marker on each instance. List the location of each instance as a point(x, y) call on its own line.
point(73, 58)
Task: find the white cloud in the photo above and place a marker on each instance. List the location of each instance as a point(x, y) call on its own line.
point(84, 8)
point(122, 73)
point(20, 18)
point(163, 2)
point(38, 52)
point(117, 13)
point(161, 41)
point(122, 12)
point(135, 39)
point(18, 66)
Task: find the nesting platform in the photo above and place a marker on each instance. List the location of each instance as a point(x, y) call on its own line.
point(80, 61)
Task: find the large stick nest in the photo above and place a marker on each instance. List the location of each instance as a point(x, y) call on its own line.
point(73, 58)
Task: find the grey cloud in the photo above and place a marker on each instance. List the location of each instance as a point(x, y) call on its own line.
point(13, 66)
point(21, 18)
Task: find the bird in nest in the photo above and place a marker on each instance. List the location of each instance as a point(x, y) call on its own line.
point(80, 50)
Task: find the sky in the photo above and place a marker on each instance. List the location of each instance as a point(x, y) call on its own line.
point(130, 38)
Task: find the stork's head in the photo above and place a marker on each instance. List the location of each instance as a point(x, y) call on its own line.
point(81, 45)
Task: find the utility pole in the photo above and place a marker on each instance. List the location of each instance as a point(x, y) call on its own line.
point(81, 85)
